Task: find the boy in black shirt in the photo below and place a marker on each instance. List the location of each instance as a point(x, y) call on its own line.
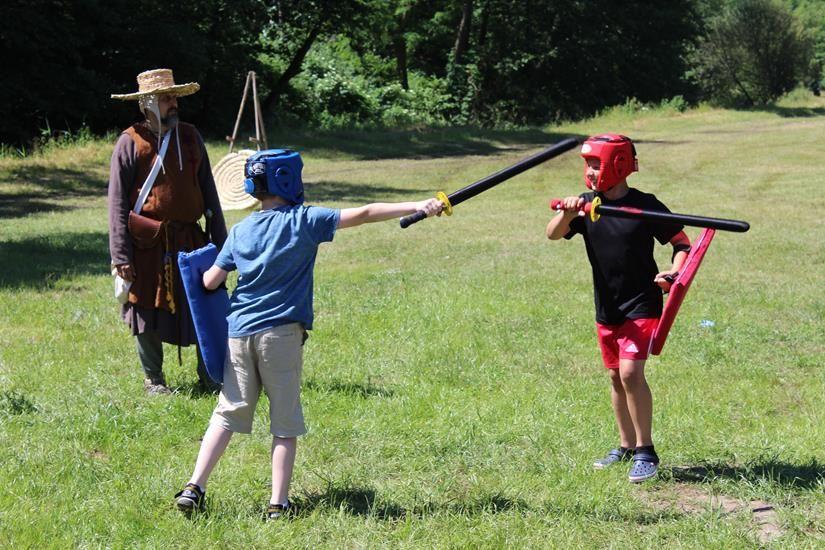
point(628, 288)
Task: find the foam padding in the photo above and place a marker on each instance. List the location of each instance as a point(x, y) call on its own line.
point(209, 308)
point(679, 289)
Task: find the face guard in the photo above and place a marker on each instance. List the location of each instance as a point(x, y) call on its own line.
point(617, 159)
point(276, 172)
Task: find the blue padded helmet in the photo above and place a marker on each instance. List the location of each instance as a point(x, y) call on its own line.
point(276, 172)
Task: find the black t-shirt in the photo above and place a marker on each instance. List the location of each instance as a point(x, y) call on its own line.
point(621, 255)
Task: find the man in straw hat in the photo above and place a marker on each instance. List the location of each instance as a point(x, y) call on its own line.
point(168, 158)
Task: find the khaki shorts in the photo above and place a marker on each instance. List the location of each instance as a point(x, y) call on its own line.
point(272, 360)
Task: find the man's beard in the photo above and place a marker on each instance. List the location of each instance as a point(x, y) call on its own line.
point(171, 119)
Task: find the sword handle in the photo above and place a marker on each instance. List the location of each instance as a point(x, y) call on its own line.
point(557, 204)
point(587, 208)
point(407, 221)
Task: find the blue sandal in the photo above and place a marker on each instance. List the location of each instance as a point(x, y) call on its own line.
point(614, 456)
point(645, 466)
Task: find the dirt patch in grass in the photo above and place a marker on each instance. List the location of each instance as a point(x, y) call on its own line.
point(692, 499)
point(96, 454)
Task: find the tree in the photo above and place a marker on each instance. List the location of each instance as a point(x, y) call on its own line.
point(532, 62)
point(462, 39)
point(294, 28)
point(752, 54)
point(84, 50)
point(812, 14)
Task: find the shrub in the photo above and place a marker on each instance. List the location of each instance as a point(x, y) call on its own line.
point(337, 90)
point(752, 54)
point(676, 103)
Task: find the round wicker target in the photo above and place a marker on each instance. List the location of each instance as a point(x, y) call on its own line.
point(229, 176)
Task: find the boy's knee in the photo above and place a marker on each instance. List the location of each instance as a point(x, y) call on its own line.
point(632, 374)
point(631, 381)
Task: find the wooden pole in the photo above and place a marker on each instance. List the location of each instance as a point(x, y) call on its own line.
point(240, 112)
point(259, 111)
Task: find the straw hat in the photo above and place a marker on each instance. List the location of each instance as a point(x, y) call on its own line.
point(159, 81)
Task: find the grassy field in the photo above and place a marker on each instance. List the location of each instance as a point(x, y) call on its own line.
point(452, 387)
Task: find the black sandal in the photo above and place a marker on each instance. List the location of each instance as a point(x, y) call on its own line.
point(190, 499)
point(278, 511)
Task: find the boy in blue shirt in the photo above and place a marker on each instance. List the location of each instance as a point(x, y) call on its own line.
point(274, 251)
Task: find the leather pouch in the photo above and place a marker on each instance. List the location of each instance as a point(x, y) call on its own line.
point(145, 231)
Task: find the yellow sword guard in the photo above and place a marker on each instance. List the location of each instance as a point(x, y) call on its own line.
point(448, 208)
point(594, 207)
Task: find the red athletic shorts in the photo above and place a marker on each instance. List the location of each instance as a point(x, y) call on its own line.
point(630, 340)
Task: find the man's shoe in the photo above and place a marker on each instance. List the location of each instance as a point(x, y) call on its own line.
point(614, 456)
point(190, 499)
point(645, 466)
point(156, 387)
point(208, 386)
point(278, 511)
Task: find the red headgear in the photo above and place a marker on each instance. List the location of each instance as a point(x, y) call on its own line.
point(617, 159)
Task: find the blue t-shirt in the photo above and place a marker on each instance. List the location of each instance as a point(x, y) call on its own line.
point(274, 252)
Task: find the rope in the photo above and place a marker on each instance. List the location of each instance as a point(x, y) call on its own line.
point(168, 274)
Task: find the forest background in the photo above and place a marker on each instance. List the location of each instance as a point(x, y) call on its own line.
point(408, 64)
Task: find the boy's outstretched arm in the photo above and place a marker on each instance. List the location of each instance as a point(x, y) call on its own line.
point(681, 247)
point(560, 224)
point(380, 211)
point(214, 277)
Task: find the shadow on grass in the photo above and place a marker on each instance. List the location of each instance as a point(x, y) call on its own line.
point(664, 142)
point(50, 187)
point(428, 143)
point(40, 261)
point(14, 404)
point(790, 112)
point(355, 389)
point(361, 501)
point(319, 192)
point(798, 476)
point(20, 205)
point(194, 389)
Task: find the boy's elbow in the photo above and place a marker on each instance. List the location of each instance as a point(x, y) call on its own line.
point(211, 278)
point(208, 283)
point(353, 217)
point(553, 233)
point(363, 216)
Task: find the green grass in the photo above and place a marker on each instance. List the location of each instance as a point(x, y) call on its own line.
point(452, 387)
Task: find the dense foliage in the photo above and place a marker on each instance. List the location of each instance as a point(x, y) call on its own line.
point(397, 63)
point(752, 54)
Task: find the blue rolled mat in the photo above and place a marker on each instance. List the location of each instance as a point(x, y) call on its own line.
point(209, 308)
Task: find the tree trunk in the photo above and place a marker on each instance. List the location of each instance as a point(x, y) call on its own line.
point(462, 38)
point(291, 71)
point(482, 28)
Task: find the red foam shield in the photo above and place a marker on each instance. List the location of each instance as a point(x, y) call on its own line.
point(679, 289)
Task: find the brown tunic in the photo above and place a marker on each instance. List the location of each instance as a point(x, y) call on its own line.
point(178, 199)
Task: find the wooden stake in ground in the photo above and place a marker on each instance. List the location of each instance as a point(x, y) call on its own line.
point(229, 171)
point(260, 132)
